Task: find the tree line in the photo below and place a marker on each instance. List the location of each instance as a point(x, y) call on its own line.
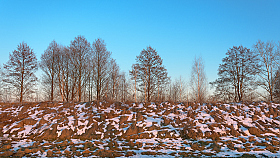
point(84, 71)
point(243, 71)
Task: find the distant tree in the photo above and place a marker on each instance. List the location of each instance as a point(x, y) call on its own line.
point(90, 72)
point(269, 58)
point(150, 72)
point(49, 67)
point(198, 80)
point(223, 92)
point(6, 89)
point(182, 90)
point(123, 87)
point(101, 59)
point(175, 90)
point(162, 80)
point(21, 69)
point(79, 53)
point(133, 74)
point(1, 84)
point(65, 72)
point(276, 90)
point(114, 79)
point(237, 73)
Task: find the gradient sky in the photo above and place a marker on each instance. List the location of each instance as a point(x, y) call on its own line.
point(178, 30)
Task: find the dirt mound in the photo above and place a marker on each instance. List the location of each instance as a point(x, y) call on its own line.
point(117, 129)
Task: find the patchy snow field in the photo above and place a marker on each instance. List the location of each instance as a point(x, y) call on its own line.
point(140, 130)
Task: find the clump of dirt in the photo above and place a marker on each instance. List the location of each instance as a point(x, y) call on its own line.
point(112, 129)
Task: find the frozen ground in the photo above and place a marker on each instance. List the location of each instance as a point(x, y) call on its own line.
point(140, 130)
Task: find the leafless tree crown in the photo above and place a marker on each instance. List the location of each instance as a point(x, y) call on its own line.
point(198, 81)
point(237, 74)
point(149, 73)
point(84, 72)
point(269, 58)
point(20, 71)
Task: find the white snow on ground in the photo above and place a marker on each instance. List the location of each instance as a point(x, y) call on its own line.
point(166, 135)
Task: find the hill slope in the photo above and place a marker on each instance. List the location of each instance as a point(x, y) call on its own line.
point(112, 130)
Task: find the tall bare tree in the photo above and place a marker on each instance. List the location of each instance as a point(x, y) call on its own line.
point(237, 73)
point(21, 69)
point(150, 72)
point(90, 72)
point(101, 59)
point(66, 75)
point(79, 50)
point(198, 80)
point(114, 79)
point(269, 58)
point(49, 67)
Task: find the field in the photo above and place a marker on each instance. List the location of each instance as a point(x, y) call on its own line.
point(140, 130)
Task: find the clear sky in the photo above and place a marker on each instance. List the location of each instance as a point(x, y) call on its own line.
point(178, 30)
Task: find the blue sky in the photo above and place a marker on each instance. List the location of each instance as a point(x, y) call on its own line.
point(178, 30)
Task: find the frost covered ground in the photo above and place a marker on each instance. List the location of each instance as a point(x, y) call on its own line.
point(140, 130)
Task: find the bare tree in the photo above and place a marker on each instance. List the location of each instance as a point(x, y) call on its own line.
point(150, 72)
point(79, 50)
point(276, 90)
point(133, 74)
point(6, 89)
point(101, 59)
point(49, 67)
point(237, 73)
point(90, 72)
point(183, 89)
point(64, 71)
point(1, 84)
point(223, 92)
point(123, 87)
point(198, 80)
point(175, 91)
point(269, 59)
point(21, 69)
point(162, 81)
point(113, 80)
